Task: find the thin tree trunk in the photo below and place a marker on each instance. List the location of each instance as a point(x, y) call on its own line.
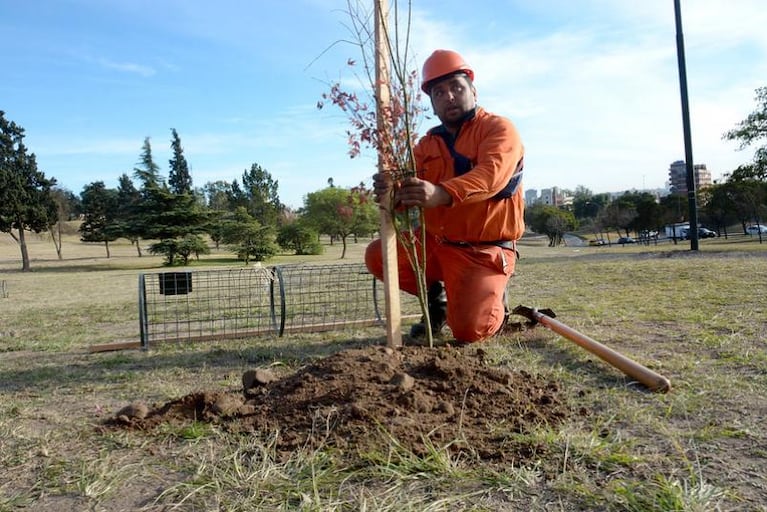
point(56, 237)
point(24, 252)
point(106, 246)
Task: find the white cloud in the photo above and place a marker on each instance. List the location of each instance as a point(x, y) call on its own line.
point(127, 67)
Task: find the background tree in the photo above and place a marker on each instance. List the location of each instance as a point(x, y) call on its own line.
point(68, 206)
point(163, 215)
point(168, 217)
point(128, 217)
point(179, 179)
point(261, 196)
point(748, 197)
point(585, 204)
point(300, 237)
point(216, 195)
point(248, 238)
point(550, 221)
point(192, 244)
point(148, 172)
point(643, 204)
point(752, 130)
point(99, 210)
point(367, 213)
point(180, 249)
point(620, 215)
point(717, 208)
point(26, 202)
point(339, 212)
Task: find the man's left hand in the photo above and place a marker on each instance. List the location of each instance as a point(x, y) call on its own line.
point(418, 192)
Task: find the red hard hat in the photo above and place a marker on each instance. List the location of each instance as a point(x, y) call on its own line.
point(442, 63)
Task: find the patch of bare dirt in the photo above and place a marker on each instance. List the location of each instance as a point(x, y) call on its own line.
point(347, 400)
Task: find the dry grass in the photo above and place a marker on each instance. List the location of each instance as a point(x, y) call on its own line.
point(700, 319)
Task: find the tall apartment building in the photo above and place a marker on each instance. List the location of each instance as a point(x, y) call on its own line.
point(554, 197)
point(677, 173)
point(531, 196)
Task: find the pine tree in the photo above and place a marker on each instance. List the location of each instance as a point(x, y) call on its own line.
point(127, 218)
point(179, 179)
point(263, 200)
point(26, 202)
point(99, 210)
point(148, 171)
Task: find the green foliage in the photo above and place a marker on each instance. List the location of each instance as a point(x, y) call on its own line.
point(180, 250)
point(148, 172)
point(587, 205)
point(247, 237)
point(167, 248)
point(165, 215)
point(619, 215)
point(636, 211)
point(747, 198)
point(192, 244)
point(340, 212)
point(68, 204)
point(26, 202)
point(215, 194)
point(751, 130)
point(179, 179)
point(258, 195)
point(129, 211)
point(99, 206)
point(300, 238)
point(721, 206)
point(550, 221)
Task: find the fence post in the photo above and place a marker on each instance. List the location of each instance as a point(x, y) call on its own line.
point(142, 313)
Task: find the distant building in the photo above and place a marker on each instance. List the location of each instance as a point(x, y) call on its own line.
point(554, 197)
point(531, 196)
point(677, 173)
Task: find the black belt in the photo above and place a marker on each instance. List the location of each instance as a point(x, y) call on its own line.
point(504, 244)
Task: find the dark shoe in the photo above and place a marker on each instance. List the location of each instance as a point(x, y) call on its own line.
point(437, 304)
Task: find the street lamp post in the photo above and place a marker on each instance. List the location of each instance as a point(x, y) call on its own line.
point(686, 127)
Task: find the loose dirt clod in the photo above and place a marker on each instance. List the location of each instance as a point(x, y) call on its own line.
point(355, 399)
point(134, 411)
point(257, 377)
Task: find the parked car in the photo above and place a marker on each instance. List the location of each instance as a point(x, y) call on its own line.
point(626, 240)
point(648, 234)
point(598, 242)
point(756, 229)
point(702, 233)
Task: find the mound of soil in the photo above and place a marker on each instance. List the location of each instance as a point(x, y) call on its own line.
point(352, 400)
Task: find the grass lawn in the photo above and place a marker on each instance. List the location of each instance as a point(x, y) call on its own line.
point(699, 319)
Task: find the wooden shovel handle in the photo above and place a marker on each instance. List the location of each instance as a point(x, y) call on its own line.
point(653, 381)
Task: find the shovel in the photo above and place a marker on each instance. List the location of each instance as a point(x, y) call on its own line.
point(642, 374)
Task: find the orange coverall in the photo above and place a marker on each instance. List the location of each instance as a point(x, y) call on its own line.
point(459, 245)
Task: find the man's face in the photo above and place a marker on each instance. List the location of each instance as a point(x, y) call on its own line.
point(452, 98)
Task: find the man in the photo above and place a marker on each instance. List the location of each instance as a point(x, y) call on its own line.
point(468, 182)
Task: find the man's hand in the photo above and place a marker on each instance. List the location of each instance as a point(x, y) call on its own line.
point(409, 192)
point(418, 192)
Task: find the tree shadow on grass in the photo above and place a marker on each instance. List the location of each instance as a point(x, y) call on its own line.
point(588, 369)
point(51, 371)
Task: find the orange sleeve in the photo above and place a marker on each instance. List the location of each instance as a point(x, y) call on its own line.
point(497, 147)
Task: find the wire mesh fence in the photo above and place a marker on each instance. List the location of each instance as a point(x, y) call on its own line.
point(260, 301)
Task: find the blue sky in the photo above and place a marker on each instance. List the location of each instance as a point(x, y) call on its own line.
point(592, 85)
